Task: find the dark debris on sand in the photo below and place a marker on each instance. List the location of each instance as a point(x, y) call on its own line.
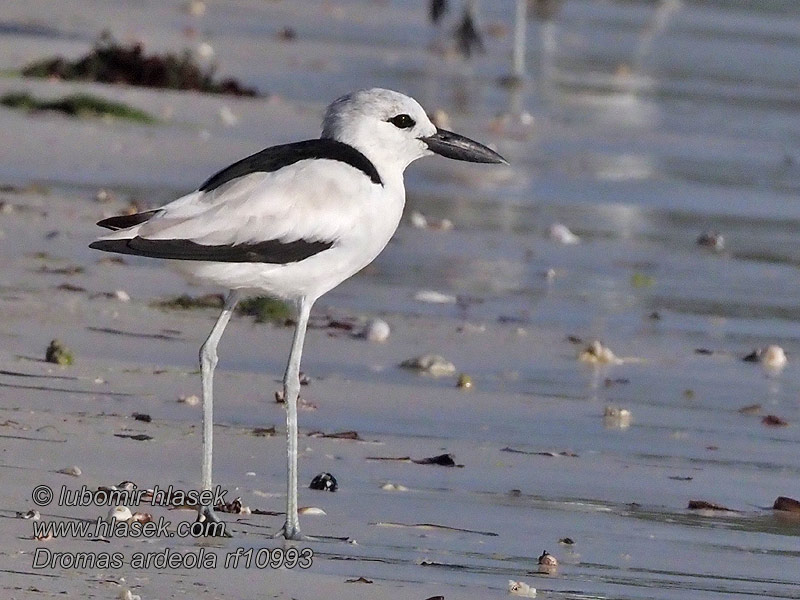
point(111, 62)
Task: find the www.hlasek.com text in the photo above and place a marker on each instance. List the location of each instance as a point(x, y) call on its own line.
point(114, 528)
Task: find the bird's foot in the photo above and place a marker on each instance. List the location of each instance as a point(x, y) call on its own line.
point(292, 532)
point(210, 524)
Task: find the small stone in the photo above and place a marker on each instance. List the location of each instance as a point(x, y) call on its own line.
point(464, 382)
point(32, 514)
point(122, 296)
point(711, 239)
point(786, 504)
point(324, 482)
point(567, 541)
point(442, 460)
point(774, 421)
point(141, 517)
point(432, 364)
point(287, 34)
point(705, 505)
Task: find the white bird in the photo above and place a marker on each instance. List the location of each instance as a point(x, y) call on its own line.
point(293, 221)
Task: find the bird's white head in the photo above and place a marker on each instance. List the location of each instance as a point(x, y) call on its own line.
point(393, 130)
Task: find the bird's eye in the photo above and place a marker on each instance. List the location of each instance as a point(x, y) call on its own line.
point(402, 121)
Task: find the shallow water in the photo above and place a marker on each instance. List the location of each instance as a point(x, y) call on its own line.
point(651, 122)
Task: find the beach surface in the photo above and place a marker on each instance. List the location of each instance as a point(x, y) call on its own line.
point(644, 125)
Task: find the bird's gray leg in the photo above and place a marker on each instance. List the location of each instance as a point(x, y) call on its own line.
point(208, 361)
point(291, 391)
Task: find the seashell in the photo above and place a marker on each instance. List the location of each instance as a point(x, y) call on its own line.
point(614, 417)
point(596, 353)
point(376, 330)
point(434, 297)
point(120, 513)
point(560, 233)
point(432, 364)
point(520, 588)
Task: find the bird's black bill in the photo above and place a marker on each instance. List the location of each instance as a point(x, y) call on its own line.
point(451, 145)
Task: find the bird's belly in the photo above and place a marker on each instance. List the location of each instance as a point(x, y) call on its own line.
point(309, 278)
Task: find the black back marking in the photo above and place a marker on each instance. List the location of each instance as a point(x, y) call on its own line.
point(277, 157)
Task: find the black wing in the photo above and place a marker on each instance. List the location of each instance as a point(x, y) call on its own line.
point(125, 221)
point(270, 251)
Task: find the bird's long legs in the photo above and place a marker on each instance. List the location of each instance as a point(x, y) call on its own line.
point(208, 361)
point(291, 391)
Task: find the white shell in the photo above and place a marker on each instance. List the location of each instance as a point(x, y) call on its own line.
point(434, 297)
point(376, 330)
point(191, 400)
point(73, 470)
point(120, 513)
point(311, 510)
point(596, 353)
point(520, 588)
point(616, 417)
point(393, 487)
point(774, 357)
point(418, 220)
point(560, 233)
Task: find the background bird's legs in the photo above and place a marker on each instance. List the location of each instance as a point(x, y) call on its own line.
point(208, 361)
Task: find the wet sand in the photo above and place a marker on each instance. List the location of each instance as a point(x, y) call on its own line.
point(637, 177)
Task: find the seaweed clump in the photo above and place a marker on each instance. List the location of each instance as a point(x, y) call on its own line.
point(262, 308)
point(112, 62)
point(266, 310)
point(57, 353)
point(77, 105)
